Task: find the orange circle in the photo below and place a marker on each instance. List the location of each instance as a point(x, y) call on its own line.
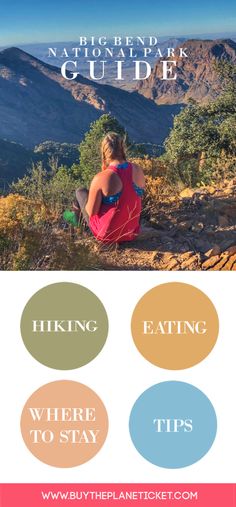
point(175, 326)
point(64, 424)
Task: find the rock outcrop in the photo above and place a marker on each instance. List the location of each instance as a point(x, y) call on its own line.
point(197, 77)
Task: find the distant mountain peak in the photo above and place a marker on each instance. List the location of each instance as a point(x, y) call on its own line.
point(14, 51)
point(14, 55)
point(196, 75)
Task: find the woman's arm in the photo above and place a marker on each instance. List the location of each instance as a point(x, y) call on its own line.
point(138, 176)
point(95, 197)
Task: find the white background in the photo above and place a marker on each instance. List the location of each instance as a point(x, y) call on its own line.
point(118, 375)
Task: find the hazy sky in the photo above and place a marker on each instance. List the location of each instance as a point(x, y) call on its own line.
point(25, 21)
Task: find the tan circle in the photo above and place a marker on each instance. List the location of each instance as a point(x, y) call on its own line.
point(64, 424)
point(175, 326)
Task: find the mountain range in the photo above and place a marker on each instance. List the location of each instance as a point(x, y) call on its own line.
point(38, 104)
point(41, 52)
point(196, 75)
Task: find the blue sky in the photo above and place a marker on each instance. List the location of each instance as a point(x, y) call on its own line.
point(26, 21)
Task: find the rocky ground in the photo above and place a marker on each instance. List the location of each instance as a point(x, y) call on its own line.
point(193, 231)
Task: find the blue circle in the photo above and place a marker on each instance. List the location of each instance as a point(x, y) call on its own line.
point(173, 424)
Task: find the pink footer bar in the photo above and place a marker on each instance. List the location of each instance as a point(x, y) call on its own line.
point(97, 495)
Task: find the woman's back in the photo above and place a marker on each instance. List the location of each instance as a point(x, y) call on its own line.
point(119, 213)
point(110, 181)
point(112, 207)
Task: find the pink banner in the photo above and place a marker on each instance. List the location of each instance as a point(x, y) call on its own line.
point(87, 495)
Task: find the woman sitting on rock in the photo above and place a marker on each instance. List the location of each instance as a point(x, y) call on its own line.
point(112, 206)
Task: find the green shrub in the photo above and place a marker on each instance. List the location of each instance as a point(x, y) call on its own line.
point(202, 144)
point(90, 147)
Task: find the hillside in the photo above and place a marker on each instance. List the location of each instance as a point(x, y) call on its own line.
point(192, 230)
point(196, 76)
point(16, 160)
point(37, 104)
point(195, 230)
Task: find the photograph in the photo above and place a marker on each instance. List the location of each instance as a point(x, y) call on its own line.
point(118, 137)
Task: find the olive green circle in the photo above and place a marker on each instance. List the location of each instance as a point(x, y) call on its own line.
point(65, 346)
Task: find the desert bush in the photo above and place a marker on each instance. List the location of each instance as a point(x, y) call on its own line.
point(30, 240)
point(157, 185)
point(156, 190)
point(152, 166)
point(53, 189)
point(17, 213)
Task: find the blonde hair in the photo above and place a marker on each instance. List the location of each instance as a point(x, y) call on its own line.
point(112, 148)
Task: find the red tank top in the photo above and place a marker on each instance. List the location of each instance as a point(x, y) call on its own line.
point(119, 221)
